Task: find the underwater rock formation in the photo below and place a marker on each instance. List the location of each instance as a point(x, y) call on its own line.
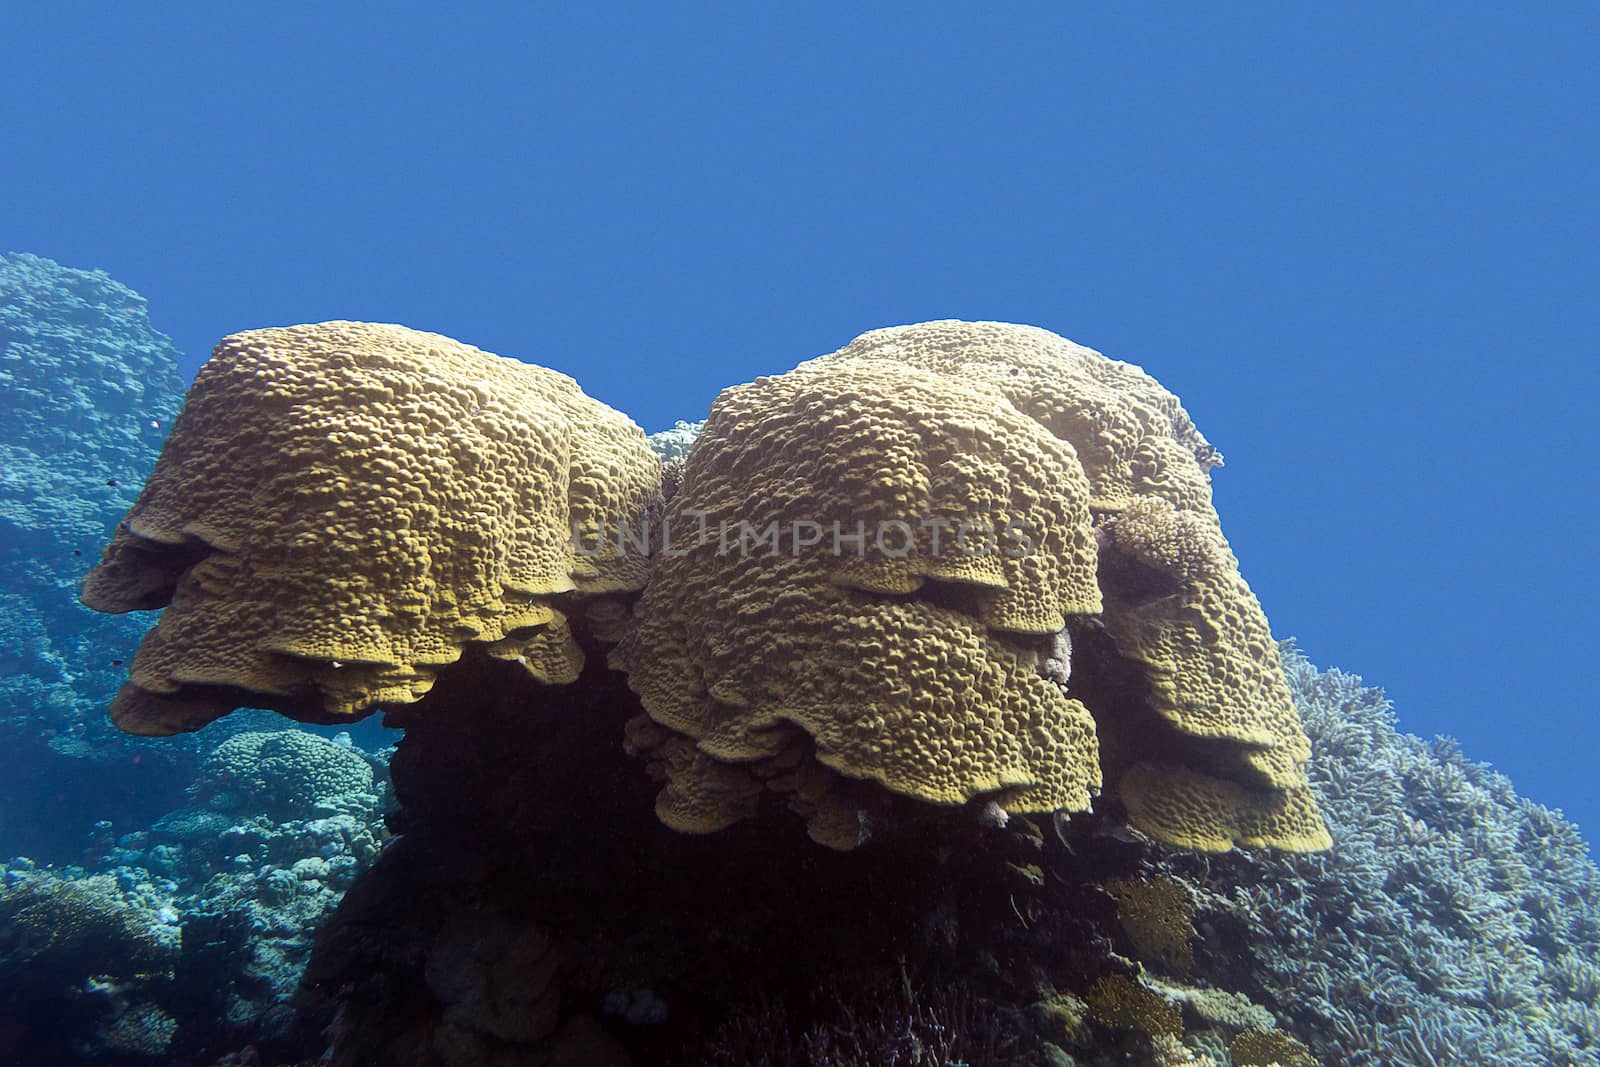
point(178, 942)
point(79, 957)
point(343, 508)
point(680, 949)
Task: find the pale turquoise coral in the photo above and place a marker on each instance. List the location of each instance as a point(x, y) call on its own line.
point(1454, 921)
point(282, 771)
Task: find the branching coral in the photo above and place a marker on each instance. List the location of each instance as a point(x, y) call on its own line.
point(1453, 921)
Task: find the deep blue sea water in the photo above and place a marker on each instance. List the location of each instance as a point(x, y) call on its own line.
point(1358, 243)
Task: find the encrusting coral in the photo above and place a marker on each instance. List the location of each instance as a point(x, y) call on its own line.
point(342, 507)
point(905, 533)
point(1158, 916)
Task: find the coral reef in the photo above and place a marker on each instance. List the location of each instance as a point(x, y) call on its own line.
point(821, 649)
point(1453, 921)
point(181, 941)
point(281, 772)
point(535, 829)
point(81, 959)
point(954, 716)
point(89, 389)
point(1159, 917)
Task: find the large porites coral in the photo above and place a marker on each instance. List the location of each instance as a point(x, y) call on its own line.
point(887, 551)
point(343, 507)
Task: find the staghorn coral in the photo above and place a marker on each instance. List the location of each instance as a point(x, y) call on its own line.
point(1453, 921)
point(342, 507)
point(916, 665)
point(673, 445)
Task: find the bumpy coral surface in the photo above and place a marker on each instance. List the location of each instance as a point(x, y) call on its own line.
point(1132, 436)
point(281, 771)
point(899, 659)
point(1003, 487)
point(342, 507)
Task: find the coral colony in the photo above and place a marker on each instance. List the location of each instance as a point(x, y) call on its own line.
point(911, 709)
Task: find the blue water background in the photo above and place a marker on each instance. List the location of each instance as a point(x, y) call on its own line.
point(1357, 240)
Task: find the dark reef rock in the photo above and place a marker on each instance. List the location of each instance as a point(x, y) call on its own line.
point(529, 909)
point(179, 943)
point(532, 902)
point(533, 911)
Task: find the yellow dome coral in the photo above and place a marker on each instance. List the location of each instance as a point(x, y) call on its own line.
point(343, 506)
point(831, 607)
point(920, 668)
point(1131, 435)
point(1175, 603)
point(1195, 810)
